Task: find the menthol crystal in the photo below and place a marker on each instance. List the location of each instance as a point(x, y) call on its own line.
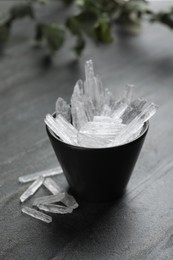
point(62, 128)
point(37, 214)
point(46, 173)
point(97, 118)
point(49, 199)
point(62, 108)
point(52, 186)
point(70, 201)
point(57, 209)
point(32, 189)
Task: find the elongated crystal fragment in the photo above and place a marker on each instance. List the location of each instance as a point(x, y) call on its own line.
point(37, 214)
point(107, 119)
point(135, 125)
point(49, 199)
point(102, 128)
point(90, 141)
point(70, 201)
point(32, 189)
point(134, 108)
point(121, 105)
point(93, 88)
point(46, 173)
point(79, 116)
point(62, 128)
point(97, 134)
point(62, 108)
point(57, 209)
point(52, 186)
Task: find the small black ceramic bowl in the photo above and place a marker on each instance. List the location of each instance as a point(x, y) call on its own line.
point(98, 174)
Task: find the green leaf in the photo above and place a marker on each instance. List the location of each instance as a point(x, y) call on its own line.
point(132, 27)
point(80, 45)
point(54, 35)
point(39, 32)
point(165, 17)
point(73, 25)
point(68, 2)
point(4, 33)
point(21, 10)
point(102, 31)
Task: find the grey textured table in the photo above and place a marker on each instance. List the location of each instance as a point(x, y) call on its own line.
point(139, 225)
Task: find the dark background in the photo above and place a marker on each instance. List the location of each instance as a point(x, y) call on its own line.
point(138, 226)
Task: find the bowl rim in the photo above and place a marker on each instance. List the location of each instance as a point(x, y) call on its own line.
point(144, 130)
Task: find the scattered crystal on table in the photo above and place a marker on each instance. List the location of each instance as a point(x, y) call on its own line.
point(37, 214)
point(67, 202)
point(32, 189)
point(52, 186)
point(46, 173)
point(49, 199)
point(57, 209)
point(70, 201)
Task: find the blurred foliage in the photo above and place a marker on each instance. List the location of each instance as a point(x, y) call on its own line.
point(93, 19)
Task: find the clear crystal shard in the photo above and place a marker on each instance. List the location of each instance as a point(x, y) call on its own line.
point(32, 189)
point(52, 186)
point(102, 128)
point(134, 108)
point(37, 214)
point(62, 108)
point(121, 105)
point(107, 119)
point(70, 201)
point(99, 133)
point(90, 141)
point(135, 125)
point(62, 129)
point(49, 199)
point(79, 116)
point(46, 173)
point(57, 209)
point(93, 88)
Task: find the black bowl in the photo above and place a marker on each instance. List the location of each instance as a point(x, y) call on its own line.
point(98, 174)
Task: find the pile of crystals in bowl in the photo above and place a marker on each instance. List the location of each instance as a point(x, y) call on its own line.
point(95, 119)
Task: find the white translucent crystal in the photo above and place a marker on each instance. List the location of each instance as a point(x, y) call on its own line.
point(107, 119)
point(134, 108)
point(135, 135)
point(99, 133)
point(36, 175)
point(62, 108)
point(90, 141)
point(102, 128)
point(62, 129)
point(49, 199)
point(32, 189)
point(57, 209)
point(106, 111)
point(52, 186)
point(93, 87)
point(70, 201)
point(121, 105)
point(135, 125)
point(79, 116)
point(87, 99)
point(37, 214)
